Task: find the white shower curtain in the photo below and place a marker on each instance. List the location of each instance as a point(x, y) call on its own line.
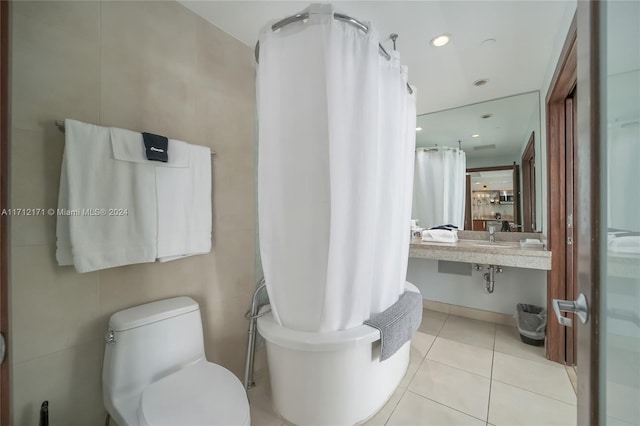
point(439, 187)
point(335, 169)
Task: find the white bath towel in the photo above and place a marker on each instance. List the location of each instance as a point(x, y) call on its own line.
point(183, 193)
point(110, 204)
point(129, 146)
point(184, 203)
point(440, 235)
point(624, 242)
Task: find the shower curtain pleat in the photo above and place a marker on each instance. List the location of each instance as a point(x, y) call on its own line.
point(439, 187)
point(332, 173)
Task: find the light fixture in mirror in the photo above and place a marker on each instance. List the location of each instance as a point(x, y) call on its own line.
point(494, 136)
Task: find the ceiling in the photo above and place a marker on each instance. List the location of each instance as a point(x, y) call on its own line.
point(527, 34)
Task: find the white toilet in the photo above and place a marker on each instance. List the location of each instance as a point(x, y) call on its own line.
point(155, 371)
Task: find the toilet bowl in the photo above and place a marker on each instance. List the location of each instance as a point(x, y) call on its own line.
point(155, 371)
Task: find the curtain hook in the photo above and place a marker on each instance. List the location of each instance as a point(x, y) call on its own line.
point(393, 38)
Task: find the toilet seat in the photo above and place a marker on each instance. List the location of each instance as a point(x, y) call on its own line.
point(201, 394)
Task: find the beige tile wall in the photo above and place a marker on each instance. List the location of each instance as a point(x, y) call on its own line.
point(152, 66)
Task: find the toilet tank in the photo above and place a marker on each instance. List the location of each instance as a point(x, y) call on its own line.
point(149, 342)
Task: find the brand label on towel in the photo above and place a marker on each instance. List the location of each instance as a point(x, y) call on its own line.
point(156, 147)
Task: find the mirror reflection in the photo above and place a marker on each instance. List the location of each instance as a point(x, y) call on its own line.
point(475, 166)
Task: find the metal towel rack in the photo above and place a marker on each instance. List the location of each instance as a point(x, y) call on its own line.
point(60, 126)
point(340, 17)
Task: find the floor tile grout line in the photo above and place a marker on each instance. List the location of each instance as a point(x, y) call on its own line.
point(444, 405)
point(457, 368)
point(404, 391)
point(419, 365)
point(543, 362)
point(468, 344)
point(493, 357)
point(533, 392)
point(542, 359)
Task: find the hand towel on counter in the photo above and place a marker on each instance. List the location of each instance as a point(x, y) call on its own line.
point(93, 180)
point(184, 203)
point(440, 235)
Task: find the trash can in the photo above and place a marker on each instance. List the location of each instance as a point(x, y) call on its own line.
point(532, 322)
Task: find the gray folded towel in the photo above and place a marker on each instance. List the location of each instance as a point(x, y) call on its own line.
point(397, 323)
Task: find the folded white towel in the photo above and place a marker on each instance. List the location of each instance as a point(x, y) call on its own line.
point(626, 245)
point(184, 203)
point(440, 235)
point(92, 185)
point(129, 146)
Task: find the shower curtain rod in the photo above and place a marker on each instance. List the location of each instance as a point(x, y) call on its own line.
point(437, 148)
point(60, 126)
point(340, 17)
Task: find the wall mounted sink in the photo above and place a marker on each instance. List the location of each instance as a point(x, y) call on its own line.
point(503, 253)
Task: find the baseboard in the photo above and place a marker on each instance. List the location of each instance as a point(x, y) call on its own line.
point(464, 311)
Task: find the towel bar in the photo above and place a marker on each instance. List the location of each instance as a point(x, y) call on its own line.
point(60, 126)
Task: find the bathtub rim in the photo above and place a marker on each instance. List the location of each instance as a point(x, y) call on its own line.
point(288, 338)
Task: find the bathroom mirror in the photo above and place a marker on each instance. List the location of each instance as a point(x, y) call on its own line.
point(501, 142)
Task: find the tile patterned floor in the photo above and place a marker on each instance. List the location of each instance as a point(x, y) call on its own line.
point(464, 372)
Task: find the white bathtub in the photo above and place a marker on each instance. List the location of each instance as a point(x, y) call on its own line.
point(332, 378)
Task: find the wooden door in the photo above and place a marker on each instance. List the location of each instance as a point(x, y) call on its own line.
point(558, 130)
point(587, 223)
point(570, 106)
point(5, 405)
point(479, 225)
point(468, 225)
point(516, 198)
point(607, 202)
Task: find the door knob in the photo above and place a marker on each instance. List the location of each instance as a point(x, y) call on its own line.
point(3, 348)
point(578, 307)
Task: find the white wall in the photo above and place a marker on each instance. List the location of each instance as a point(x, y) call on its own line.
point(151, 66)
point(512, 286)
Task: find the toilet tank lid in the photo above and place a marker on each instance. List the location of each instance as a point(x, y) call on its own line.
point(151, 312)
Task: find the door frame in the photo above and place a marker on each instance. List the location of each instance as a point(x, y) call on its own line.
point(529, 186)
point(562, 84)
point(5, 401)
point(589, 213)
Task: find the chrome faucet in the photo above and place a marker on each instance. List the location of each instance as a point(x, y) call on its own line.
point(492, 234)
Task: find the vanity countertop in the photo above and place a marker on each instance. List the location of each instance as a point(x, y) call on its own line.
point(502, 253)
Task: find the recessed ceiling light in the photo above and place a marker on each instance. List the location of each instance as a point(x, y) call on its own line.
point(418, 129)
point(475, 135)
point(488, 42)
point(481, 82)
point(440, 40)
